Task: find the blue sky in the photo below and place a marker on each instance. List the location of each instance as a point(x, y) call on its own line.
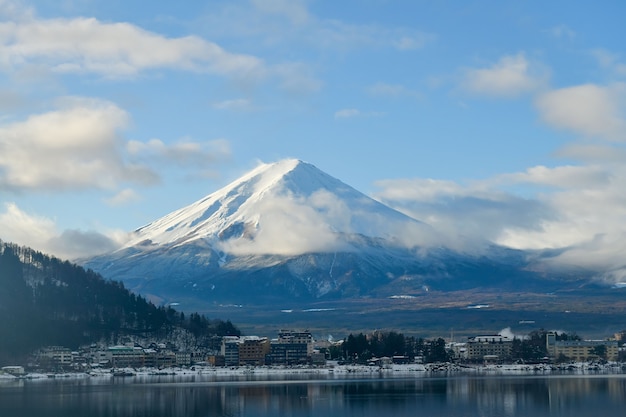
point(499, 119)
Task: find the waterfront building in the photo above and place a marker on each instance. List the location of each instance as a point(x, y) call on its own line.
point(230, 350)
point(252, 350)
point(125, 356)
point(491, 347)
point(581, 350)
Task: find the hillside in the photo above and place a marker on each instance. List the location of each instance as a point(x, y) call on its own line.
point(46, 301)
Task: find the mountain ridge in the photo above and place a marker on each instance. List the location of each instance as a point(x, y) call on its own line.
point(283, 192)
point(288, 229)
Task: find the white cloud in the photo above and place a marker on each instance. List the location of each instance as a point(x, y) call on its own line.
point(583, 219)
point(21, 228)
point(511, 76)
point(86, 45)
point(29, 44)
point(321, 222)
point(275, 22)
point(124, 197)
point(589, 110)
point(41, 233)
point(288, 227)
point(392, 90)
point(562, 176)
point(415, 41)
point(562, 31)
point(76, 146)
point(184, 152)
point(297, 78)
point(294, 10)
point(593, 153)
point(346, 113)
point(610, 60)
point(468, 216)
point(238, 104)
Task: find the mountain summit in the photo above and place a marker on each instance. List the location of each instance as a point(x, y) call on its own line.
point(288, 231)
point(284, 208)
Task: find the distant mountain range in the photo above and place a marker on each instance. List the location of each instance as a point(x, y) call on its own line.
point(287, 233)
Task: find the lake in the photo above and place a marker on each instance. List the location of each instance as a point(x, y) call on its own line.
point(195, 396)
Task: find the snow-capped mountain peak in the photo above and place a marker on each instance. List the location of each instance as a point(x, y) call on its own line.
point(286, 207)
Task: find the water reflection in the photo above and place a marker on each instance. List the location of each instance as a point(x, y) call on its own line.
point(456, 396)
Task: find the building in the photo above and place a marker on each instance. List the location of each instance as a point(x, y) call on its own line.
point(294, 337)
point(287, 354)
point(126, 356)
point(491, 347)
point(55, 355)
point(159, 358)
point(216, 360)
point(582, 350)
point(183, 358)
point(252, 350)
point(14, 370)
point(230, 350)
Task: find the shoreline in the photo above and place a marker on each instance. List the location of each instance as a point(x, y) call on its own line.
point(388, 371)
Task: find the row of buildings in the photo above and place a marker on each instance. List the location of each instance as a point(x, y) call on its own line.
point(498, 348)
point(291, 348)
point(119, 356)
point(297, 348)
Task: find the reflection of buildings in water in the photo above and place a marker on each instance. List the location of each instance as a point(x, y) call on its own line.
point(569, 393)
point(539, 396)
point(498, 395)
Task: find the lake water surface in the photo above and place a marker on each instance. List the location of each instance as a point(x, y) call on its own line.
point(485, 396)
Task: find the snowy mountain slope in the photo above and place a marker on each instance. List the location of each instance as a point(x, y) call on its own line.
point(287, 207)
point(288, 230)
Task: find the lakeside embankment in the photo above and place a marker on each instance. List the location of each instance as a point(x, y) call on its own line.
point(432, 369)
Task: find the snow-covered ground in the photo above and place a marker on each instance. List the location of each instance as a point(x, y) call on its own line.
point(335, 371)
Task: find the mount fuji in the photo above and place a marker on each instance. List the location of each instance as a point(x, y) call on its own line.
point(288, 231)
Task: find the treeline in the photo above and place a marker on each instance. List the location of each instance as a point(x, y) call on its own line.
point(47, 301)
point(360, 348)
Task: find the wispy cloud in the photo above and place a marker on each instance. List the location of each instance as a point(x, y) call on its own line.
point(347, 113)
point(294, 10)
point(42, 233)
point(123, 51)
point(124, 197)
point(578, 209)
point(75, 146)
point(511, 76)
point(86, 45)
point(562, 31)
point(237, 104)
point(392, 90)
point(610, 61)
point(590, 110)
point(281, 22)
point(182, 152)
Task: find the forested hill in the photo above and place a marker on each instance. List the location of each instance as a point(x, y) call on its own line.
point(47, 301)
